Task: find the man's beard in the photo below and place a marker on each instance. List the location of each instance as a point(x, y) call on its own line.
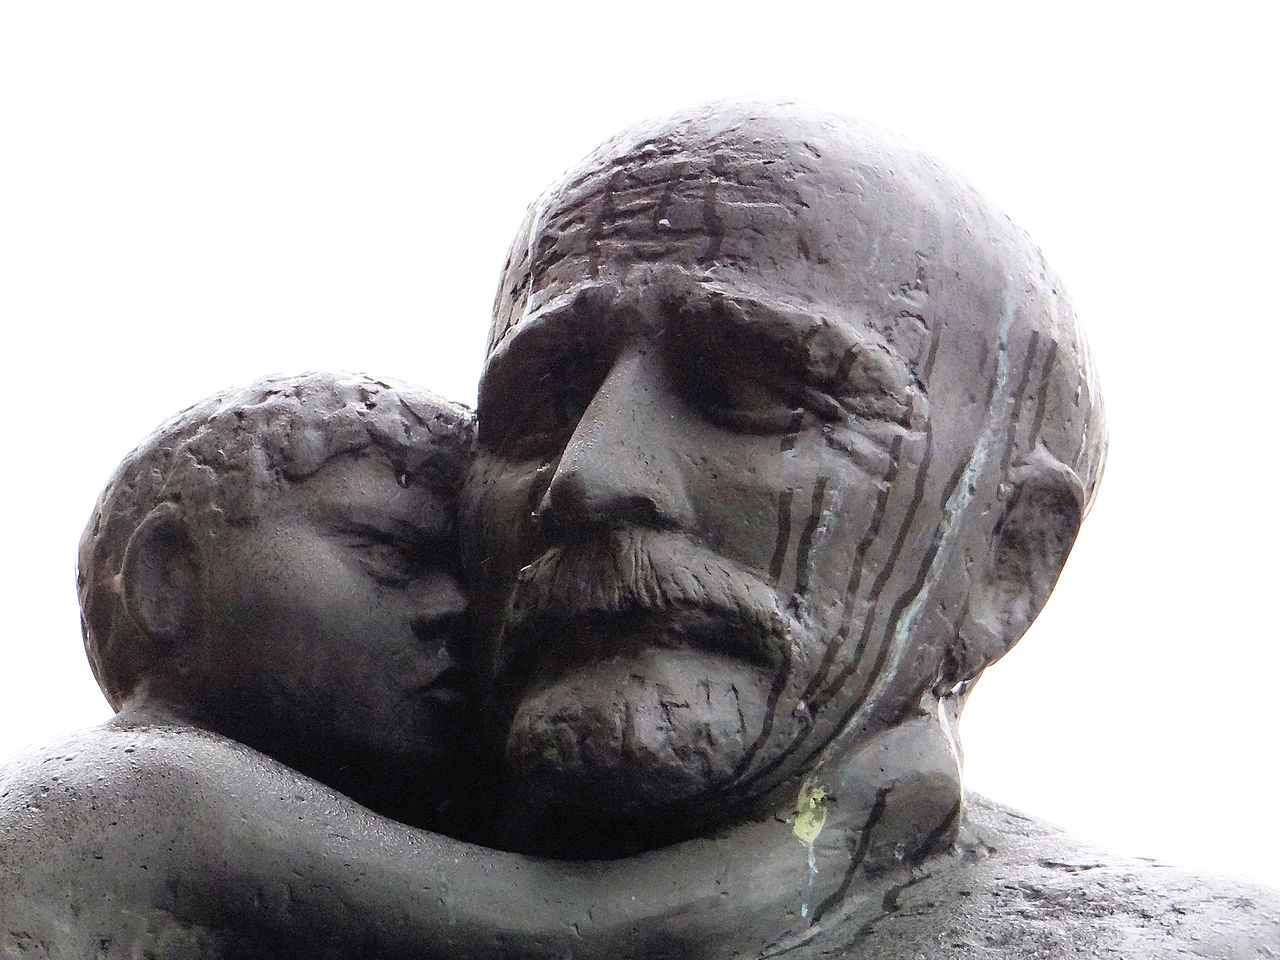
point(641, 673)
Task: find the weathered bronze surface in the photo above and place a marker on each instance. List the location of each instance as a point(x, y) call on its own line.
point(783, 437)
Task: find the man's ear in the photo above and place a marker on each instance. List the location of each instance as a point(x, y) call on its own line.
point(160, 578)
point(1027, 550)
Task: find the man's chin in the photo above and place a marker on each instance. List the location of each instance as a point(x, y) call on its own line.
point(649, 734)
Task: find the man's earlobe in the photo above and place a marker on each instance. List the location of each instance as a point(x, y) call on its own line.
point(1028, 548)
point(159, 578)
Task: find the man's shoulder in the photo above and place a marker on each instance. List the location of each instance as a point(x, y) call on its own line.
point(1128, 906)
point(1017, 887)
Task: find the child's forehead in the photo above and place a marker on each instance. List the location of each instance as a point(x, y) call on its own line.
point(370, 489)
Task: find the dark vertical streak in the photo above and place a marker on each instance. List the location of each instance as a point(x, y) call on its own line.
point(602, 223)
point(1018, 398)
point(845, 365)
point(711, 221)
point(953, 481)
point(784, 534)
point(936, 835)
point(668, 194)
point(806, 536)
point(886, 572)
point(904, 531)
point(1042, 401)
point(859, 565)
point(859, 854)
point(903, 601)
point(834, 646)
point(927, 372)
point(770, 711)
point(908, 595)
point(793, 430)
point(1021, 393)
point(991, 389)
point(883, 577)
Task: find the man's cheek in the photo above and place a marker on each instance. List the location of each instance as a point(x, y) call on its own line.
point(496, 513)
point(743, 499)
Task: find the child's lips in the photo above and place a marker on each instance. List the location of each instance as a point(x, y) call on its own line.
point(449, 687)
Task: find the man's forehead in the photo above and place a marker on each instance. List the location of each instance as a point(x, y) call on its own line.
point(689, 210)
point(835, 219)
point(694, 204)
point(778, 228)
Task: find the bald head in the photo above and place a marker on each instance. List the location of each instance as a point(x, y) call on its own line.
point(827, 215)
point(811, 350)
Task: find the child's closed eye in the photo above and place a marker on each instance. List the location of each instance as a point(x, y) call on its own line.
point(386, 559)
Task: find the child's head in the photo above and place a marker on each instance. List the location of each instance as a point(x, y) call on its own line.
point(279, 564)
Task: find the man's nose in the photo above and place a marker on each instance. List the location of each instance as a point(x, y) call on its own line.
point(620, 466)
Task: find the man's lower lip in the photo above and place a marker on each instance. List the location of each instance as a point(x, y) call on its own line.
point(444, 694)
point(633, 675)
point(565, 648)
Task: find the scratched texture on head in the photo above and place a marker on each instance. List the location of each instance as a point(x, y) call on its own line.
point(784, 435)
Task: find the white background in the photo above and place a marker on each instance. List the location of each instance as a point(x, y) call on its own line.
point(195, 194)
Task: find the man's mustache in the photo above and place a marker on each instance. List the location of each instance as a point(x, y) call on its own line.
point(686, 593)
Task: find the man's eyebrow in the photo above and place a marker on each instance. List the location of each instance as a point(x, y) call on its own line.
point(543, 320)
point(811, 337)
point(825, 345)
point(531, 349)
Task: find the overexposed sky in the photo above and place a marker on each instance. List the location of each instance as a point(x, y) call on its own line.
point(194, 195)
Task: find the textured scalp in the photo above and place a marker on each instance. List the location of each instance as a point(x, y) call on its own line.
point(739, 188)
point(222, 459)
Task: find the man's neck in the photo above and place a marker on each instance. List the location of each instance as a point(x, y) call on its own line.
point(857, 823)
point(146, 707)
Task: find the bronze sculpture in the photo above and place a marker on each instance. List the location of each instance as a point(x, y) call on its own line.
point(783, 437)
point(732, 348)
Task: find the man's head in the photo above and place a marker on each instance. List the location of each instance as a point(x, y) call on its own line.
point(278, 563)
point(782, 429)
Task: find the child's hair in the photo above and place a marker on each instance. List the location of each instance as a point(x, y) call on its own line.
point(221, 460)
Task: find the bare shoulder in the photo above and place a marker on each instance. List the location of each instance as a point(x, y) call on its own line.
point(170, 841)
point(1136, 906)
point(1018, 887)
point(116, 770)
point(86, 781)
point(111, 835)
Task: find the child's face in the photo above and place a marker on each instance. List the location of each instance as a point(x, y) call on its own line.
point(334, 621)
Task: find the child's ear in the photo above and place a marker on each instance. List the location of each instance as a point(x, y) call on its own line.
point(160, 578)
point(1029, 546)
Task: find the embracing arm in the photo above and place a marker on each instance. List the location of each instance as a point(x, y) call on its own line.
point(190, 845)
point(185, 844)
